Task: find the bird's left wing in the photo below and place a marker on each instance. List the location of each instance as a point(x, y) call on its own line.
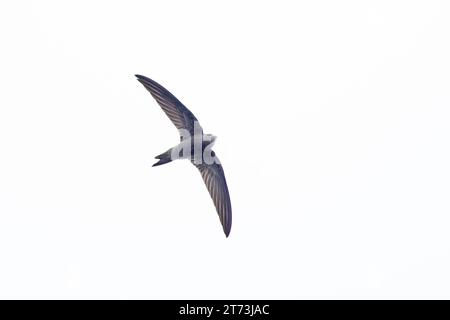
point(180, 116)
point(214, 178)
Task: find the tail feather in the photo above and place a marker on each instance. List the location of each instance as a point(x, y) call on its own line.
point(163, 158)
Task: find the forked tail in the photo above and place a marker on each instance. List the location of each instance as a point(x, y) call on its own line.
point(163, 158)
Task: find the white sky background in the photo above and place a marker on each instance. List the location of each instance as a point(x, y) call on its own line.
point(333, 128)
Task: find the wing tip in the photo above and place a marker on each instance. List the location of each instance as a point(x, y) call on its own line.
point(227, 230)
point(143, 79)
point(150, 84)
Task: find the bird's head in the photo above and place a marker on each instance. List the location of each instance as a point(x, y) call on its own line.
point(210, 138)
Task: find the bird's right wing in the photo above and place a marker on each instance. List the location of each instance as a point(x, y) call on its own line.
point(214, 178)
point(180, 116)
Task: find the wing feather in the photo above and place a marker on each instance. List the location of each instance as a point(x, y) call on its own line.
point(180, 116)
point(215, 182)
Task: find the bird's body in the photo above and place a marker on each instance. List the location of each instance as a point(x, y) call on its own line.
point(191, 148)
point(194, 146)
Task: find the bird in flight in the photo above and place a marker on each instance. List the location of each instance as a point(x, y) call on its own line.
point(194, 146)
